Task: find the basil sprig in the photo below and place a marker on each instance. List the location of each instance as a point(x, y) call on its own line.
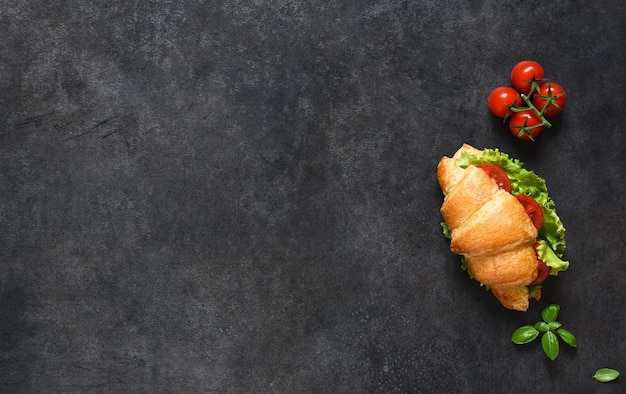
point(551, 329)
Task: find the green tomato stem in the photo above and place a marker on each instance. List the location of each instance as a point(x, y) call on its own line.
point(539, 114)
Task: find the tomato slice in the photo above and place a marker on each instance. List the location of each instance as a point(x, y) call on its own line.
point(544, 270)
point(498, 175)
point(533, 209)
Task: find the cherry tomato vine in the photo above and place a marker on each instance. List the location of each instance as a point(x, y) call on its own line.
point(529, 102)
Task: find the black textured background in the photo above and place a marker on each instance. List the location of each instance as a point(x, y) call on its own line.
point(240, 196)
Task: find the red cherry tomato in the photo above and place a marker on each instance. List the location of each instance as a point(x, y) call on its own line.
point(501, 99)
point(498, 175)
point(533, 209)
point(544, 270)
point(525, 125)
point(553, 95)
point(524, 73)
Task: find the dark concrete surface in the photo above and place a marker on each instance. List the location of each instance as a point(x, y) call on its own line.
point(240, 196)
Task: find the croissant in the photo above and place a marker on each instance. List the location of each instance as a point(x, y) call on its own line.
point(491, 229)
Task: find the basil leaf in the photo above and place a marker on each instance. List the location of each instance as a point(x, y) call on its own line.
point(541, 326)
point(554, 325)
point(524, 334)
point(567, 337)
point(550, 313)
point(605, 375)
point(550, 344)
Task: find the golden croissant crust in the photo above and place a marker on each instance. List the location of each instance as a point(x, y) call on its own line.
point(491, 229)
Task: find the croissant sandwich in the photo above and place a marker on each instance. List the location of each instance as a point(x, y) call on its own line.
point(499, 218)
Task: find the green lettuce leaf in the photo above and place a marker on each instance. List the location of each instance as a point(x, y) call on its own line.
point(446, 230)
point(553, 261)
